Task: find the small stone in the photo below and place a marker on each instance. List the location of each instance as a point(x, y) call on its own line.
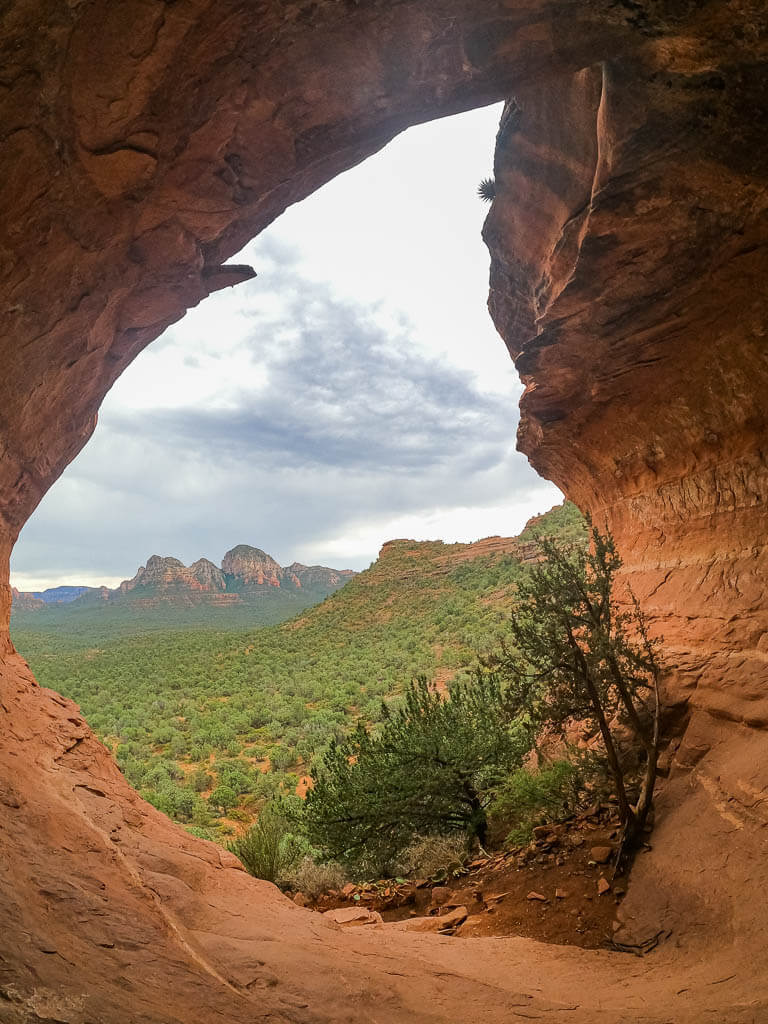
point(601, 854)
point(353, 916)
point(440, 895)
point(536, 896)
point(300, 900)
point(561, 894)
point(433, 924)
point(603, 886)
point(348, 889)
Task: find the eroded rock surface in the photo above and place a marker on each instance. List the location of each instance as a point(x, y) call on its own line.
point(142, 144)
point(111, 913)
point(629, 240)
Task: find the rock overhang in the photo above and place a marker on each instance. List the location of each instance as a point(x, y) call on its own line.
point(144, 144)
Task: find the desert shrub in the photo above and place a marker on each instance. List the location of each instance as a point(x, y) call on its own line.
point(200, 832)
point(532, 797)
point(428, 856)
point(432, 767)
point(309, 877)
point(268, 849)
point(223, 798)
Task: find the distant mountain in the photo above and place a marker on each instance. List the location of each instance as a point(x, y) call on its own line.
point(247, 574)
point(34, 600)
point(60, 595)
point(25, 601)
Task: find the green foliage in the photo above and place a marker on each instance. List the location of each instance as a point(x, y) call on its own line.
point(220, 703)
point(529, 798)
point(224, 798)
point(430, 767)
point(268, 849)
point(579, 657)
point(487, 190)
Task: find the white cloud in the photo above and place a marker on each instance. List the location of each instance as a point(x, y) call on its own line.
point(354, 391)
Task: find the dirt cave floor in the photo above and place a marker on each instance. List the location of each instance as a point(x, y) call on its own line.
point(560, 889)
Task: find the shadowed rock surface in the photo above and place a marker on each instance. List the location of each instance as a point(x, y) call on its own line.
point(143, 144)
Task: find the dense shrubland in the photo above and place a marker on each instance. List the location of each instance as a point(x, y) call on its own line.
point(220, 729)
point(445, 763)
point(211, 723)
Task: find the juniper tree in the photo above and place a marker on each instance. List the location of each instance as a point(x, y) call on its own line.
point(579, 657)
point(429, 768)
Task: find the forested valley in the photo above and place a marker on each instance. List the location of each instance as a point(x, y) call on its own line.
point(210, 722)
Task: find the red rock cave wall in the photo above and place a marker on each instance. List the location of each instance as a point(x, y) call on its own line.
point(143, 143)
point(629, 243)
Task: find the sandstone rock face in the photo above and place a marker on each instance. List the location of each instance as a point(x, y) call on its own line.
point(143, 144)
point(317, 576)
point(26, 602)
point(628, 242)
point(251, 567)
point(162, 575)
point(209, 576)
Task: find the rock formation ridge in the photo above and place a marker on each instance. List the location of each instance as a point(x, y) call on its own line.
point(245, 572)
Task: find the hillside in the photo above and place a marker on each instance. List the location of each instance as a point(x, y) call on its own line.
point(207, 723)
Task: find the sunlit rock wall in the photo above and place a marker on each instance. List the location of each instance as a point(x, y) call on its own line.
point(629, 243)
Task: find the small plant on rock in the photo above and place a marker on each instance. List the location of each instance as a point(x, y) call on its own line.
point(487, 190)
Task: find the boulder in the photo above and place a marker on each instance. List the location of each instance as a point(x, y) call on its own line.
point(353, 916)
point(443, 923)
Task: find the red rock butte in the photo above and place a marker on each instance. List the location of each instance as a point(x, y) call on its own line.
point(143, 144)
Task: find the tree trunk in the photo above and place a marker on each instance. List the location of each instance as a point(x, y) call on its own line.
point(625, 809)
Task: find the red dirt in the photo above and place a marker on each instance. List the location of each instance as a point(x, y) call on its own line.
point(557, 866)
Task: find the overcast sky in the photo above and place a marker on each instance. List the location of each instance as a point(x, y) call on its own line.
point(355, 391)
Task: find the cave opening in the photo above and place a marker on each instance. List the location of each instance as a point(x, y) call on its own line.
point(354, 392)
point(643, 260)
point(364, 344)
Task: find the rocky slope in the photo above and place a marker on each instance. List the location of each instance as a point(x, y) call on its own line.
point(143, 144)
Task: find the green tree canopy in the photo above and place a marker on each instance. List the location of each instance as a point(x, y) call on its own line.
point(430, 768)
point(578, 656)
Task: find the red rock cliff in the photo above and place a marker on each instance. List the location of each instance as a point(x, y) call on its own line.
point(629, 286)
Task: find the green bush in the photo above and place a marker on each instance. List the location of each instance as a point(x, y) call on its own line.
point(224, 798)
point(431, 767)
point(268, 849)
point(529, 798)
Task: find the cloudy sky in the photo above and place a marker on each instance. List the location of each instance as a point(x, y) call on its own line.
point(355, 391)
